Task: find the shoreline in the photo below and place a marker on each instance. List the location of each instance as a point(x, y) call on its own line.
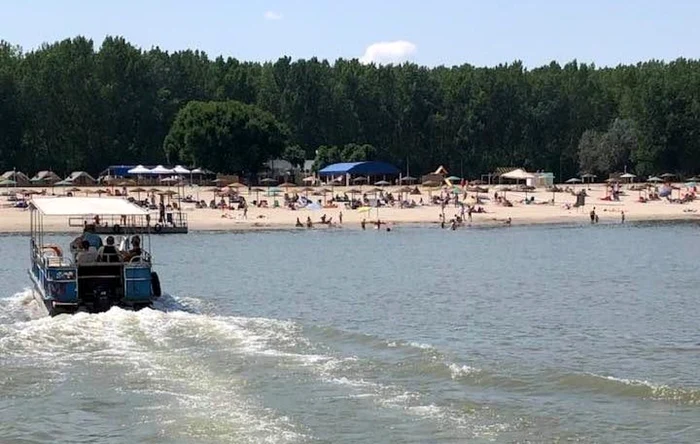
point(257, 227)
point(542, 212)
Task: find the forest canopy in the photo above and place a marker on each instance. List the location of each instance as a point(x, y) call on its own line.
point(69, 105)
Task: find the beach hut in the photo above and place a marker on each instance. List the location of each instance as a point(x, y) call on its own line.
point(19, 177)
point(45, 177)
point(81, 178)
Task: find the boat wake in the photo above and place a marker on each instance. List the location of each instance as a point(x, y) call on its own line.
point(207, 376)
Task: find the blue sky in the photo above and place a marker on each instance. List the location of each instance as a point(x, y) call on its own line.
point(429, 32)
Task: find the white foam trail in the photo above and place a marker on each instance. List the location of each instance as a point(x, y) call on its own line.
point(149, 345)
point(21, 306)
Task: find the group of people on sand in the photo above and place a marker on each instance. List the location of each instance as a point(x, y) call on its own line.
point(324, 220)
point(89, 248)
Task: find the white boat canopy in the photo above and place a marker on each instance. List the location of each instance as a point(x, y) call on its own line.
point(179, 169)
point(85, 206)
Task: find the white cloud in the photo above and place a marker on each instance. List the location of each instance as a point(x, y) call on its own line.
point(388, 52)
point(272, 15)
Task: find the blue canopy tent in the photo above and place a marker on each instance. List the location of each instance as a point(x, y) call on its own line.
point(360, 168)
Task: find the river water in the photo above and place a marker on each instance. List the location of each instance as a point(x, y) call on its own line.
point(420, 335)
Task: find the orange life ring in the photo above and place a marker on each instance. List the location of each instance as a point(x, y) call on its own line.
point(55, 248)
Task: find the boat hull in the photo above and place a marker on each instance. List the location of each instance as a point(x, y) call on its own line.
point(51, 306)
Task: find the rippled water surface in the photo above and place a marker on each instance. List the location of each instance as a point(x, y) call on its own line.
point(521, 334)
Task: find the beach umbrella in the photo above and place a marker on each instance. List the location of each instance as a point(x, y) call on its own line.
point(694, 179)
point(382, 183)
point(170, 180)
point(408, 179)
point(655, 179)
point(138, 192)
point(574, 180)
point(668, 175)
point(238, 185)
point(286, 185)
point(454, 179)
point(359, 179)
point(354, 191)
point(8, 183)
point(257, 192)
point(430, 183)
point(219, 181)
point(268, 181)
point(74, 190)
point(310, 179)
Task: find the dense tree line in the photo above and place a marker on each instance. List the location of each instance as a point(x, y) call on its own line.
point(68, 105)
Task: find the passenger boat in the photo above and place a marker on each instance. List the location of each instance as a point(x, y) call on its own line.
point(67, 283)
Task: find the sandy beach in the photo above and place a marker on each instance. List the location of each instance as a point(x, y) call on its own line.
point(541, 211)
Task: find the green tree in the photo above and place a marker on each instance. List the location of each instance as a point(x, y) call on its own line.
point(225, 136)
point(294, 154)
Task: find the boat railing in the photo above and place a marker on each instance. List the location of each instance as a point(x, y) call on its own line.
point(171, 218)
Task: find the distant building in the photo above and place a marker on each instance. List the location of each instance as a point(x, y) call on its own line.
point(19, 177)
point(45, 178)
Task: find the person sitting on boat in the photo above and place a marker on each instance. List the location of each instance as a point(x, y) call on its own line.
point(90, 236)
point(135, 249)
point(86, 254)
point(108, 253)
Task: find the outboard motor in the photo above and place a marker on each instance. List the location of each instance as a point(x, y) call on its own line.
point(102, 299)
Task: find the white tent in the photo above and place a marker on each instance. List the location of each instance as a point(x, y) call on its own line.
point(160, 169)
point(140, 169)
point(518, 174)
point(179, 169)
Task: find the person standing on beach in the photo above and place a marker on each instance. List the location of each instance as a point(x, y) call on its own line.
point(363, 223)
point(622, 217)
point(593, 215)
point(340, 218)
